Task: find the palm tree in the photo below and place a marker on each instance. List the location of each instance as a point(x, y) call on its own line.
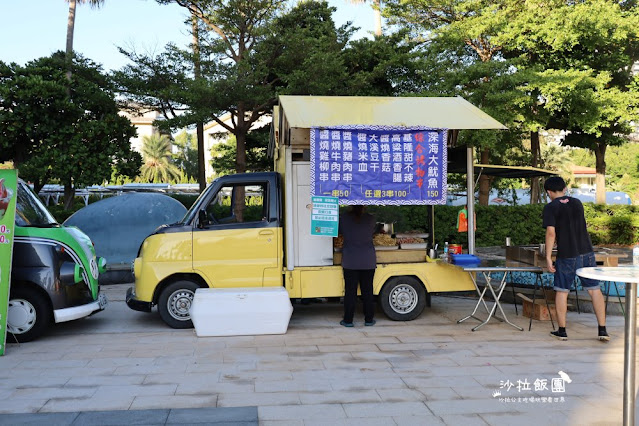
point(197, 68)
point(556, 158)
point(71, 20)
point(157, 166)
point(71, 29)
point(377, 8)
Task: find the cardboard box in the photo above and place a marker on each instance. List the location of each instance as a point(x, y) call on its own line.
point(538, 310)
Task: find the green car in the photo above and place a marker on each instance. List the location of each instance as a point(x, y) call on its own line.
point(54, 273)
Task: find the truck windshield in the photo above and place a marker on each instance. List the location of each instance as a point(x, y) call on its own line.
point(29, 209)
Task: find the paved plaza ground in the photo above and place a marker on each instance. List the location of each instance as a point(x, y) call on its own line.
point(122, 366)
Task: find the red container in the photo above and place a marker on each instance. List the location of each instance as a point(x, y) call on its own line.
point(455, 249)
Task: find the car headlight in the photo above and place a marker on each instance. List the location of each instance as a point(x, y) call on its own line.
point(71, 273)
point(102, 263)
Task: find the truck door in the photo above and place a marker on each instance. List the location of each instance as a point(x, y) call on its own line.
point(236, 243)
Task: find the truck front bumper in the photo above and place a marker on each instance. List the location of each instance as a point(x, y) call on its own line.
point(135, 304)
point(77, 312)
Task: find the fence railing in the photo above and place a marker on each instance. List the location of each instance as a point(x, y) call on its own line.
point(52, 193)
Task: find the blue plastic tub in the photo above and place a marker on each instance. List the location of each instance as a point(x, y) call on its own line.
point(465, 259)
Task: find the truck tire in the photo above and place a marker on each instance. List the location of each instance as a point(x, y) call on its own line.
point(29, 314)
point(174, 303)
point(403, 298)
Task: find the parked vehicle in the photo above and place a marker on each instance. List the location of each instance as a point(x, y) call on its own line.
point(269, 243)
point(54, 273)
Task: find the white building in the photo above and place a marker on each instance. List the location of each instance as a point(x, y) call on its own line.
point(143, 122)
point(584, 177)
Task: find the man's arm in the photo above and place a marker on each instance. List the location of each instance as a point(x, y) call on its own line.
point(550, 243)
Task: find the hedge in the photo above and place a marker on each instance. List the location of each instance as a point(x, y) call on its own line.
point(607, 224)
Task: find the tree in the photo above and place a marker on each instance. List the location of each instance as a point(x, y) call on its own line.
point(186, 158)
point(462, 57)
point(333, 64)
point(569, 61)
point(235, 28)
point(157, 166)
point(580, 55)
point(199, 126)
point(71, 20)
point(556, 158)
point(75, 137)
point(71, 27)
point(242, 67)
point(256, 153)
point(385, 66)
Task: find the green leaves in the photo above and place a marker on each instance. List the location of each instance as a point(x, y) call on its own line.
point(53, 130)
point(157, 166)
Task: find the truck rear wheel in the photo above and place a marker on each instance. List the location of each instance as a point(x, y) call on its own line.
point(29, 314)
point(403, 298)
point(174, 303)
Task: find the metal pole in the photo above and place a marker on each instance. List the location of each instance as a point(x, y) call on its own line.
point(470, 199)
point(288, 207)
point(431, 226)
point(629, 355)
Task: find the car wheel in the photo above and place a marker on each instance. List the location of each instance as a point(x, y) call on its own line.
point(175, 302)
point(403, 298)
point(29, 314)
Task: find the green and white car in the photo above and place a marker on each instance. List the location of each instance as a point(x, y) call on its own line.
point(54, 273)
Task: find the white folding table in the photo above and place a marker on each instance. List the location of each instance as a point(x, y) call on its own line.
point(630, 276)
point(495, 290)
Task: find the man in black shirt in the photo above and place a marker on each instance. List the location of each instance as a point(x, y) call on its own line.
point(565, 223)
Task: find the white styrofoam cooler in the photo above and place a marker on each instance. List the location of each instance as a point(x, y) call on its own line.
point(241, 311)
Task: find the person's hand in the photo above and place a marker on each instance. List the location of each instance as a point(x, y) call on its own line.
point(549, 265)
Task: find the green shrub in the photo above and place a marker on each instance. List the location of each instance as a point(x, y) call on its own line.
point(607, 224)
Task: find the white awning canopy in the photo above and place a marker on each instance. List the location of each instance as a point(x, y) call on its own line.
point(435, 112)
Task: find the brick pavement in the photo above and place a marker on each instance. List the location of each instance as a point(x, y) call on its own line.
point(428, 371)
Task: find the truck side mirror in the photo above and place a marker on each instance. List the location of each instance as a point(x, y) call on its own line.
point(202, 219)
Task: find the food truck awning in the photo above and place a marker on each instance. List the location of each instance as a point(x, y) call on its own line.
point(436, 112)
point(511, 171)
point(452, 113)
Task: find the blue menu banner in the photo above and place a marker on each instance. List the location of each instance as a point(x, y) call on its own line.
point(379, 164)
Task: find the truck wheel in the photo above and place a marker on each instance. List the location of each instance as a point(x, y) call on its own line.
point(403, 298)
point(174, 303)
point(28, 316)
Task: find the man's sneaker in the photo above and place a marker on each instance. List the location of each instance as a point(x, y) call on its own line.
point(370, 323)
point(561, 335)
point(346, 324)
point(603, 336)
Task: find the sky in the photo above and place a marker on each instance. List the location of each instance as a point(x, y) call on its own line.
point(31, 29)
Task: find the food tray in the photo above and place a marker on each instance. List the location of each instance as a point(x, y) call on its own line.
point(403, 235)
point(383, 248)
point(413, 246)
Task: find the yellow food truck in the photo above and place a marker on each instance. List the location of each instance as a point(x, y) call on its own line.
point(269, 242)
